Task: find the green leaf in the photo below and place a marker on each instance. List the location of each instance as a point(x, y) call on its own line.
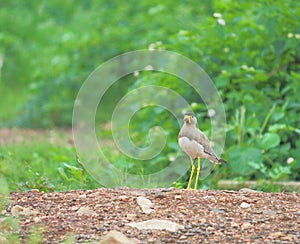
point(245, 160)
point(269, 140)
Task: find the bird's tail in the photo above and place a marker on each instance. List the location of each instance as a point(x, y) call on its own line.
point(221, 160)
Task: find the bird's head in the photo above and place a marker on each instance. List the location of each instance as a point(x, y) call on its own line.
point(190, 118)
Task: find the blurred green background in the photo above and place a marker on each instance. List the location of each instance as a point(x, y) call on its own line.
point(251, 50)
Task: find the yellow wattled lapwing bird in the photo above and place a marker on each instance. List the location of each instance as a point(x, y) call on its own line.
point(196, 145)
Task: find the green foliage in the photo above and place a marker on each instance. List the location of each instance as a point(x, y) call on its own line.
point(250, 50)
point(42, 166)
point(257, 77)
point(53, 46)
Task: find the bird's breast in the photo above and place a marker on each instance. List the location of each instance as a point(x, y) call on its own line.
point(191, 147)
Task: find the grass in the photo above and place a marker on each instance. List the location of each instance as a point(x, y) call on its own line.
point(50, 165)
point(12, 99)
point(44, 166)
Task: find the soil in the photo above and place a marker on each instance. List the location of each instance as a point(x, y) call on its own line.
point(208, 216)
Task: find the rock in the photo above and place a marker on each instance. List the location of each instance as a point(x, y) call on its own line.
point(82, 197)
point(245, 205)
point(157, 224)
point(35, 190)
point(115, 237)
point(145, 204)
point(178, 197)
point(18, 210)
point(183, 237)
point(246, 225)
point(160, 195)
point(269, 212)
point(216, 210)
point(166, 189)
point(85, 210)
point(247, 190)
point(124, 198)
point(74, 208)
point(130, 216)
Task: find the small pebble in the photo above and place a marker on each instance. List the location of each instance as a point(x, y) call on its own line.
point(216, 210)
point(160, 195)
point(166, 189)
point(245, 205)
point(246, 226)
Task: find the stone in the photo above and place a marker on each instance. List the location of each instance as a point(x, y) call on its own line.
point(246, 225)
point(116, 237)
point(216, 210)
point(166, 189)
point(84, 210)
point(245, 205)
point(130, 216)
point(18, 210)
point(160, 195)
point(177, 197)
point(157, 224)
point(247, 190)
point(82, 197)
point(145, 204)
point(269, 212)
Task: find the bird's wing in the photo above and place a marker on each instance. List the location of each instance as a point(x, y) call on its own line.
point(194, 134)
point(202, 139)
point(198, 136)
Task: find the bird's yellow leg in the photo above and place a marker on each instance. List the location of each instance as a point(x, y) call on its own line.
point(198, 172)
point(191, 175)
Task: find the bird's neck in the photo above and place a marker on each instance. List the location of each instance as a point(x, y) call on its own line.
point(190, 125)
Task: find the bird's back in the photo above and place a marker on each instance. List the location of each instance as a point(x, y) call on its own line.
point(193, 134)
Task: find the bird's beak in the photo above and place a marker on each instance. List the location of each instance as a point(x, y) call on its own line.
point(187, 118)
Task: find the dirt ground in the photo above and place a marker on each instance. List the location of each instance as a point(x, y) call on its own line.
point(206, 216)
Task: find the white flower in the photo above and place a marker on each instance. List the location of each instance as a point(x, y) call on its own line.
point(290, 35)
point(290, 160)
point(251, 68)
point(221, 22)
point(224, 71)
point(149, 67)
point(297, 36)
point(136, 73)
point(151, 47)
point(172, 158)
point(226, 50)
point(244, 67)
point(217, 15)
point(211, 113)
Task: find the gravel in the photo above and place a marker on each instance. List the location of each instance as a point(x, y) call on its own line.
point(207, 216)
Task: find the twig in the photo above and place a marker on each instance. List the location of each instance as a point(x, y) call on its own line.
point(276, 70)
point(267, 119)
point(82, 168)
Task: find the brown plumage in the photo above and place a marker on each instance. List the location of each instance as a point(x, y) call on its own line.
point(194, 142)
